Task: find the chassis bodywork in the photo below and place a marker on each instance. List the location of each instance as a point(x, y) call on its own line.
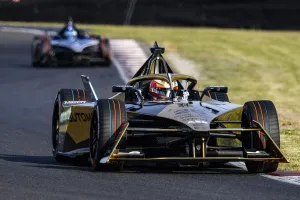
point(178, 131)
point(53, 50)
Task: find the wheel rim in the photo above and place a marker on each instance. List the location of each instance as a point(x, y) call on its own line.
point(94, 137)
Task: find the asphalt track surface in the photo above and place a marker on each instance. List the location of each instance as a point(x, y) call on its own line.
point(27, 170)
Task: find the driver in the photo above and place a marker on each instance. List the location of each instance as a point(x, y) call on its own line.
point(70, 33)
point(69, 30)
point(160, 90)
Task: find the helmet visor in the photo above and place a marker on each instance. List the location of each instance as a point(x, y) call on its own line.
point(160, 89)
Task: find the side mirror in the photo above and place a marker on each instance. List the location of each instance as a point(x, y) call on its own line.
point(121, 88)
point(221, 89)
point(127, 88)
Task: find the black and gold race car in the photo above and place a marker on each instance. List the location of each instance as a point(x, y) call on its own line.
point(158, 116)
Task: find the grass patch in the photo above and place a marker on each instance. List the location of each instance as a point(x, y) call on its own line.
point(255, 65)
point(290, 148)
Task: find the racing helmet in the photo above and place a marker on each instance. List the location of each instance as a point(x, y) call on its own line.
point(161, 89)
point(70, 32)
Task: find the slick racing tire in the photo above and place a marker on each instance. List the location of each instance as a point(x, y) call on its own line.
point(107, 117)
point(265, 113)
point(41, 53)
point(35, 51)
point(107, 61)
point(106, 50)
point(63, 95)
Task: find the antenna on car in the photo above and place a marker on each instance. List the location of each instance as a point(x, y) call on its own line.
point(156, 54)
point(155, 49)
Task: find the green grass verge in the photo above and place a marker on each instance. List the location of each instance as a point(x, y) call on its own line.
point(290, 148)
point(255, 65)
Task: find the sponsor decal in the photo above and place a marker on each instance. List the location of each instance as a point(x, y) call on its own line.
point(80, 117)
point(73, 102)
point(179, 112)
point(195, 118)
point(197, 121)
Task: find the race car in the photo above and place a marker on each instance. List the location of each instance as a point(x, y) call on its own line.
point(159, 117)
point(70, 46)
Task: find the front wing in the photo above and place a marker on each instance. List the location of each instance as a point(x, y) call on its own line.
point(114, 154)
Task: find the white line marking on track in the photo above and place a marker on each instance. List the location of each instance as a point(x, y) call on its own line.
point(120, 69)
point(287, 179)
point(128, 57)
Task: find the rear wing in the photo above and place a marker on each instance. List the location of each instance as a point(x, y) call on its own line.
point(88, 87)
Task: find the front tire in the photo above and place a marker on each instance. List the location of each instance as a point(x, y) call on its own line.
point(63, 95)
point(106, 50)
point(35, 50)
point(265, 113)
point(107, 61)
point(108, 115)
point(55, 131)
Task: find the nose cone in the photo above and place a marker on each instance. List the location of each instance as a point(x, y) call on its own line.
point(76, 46)
point(192, 115)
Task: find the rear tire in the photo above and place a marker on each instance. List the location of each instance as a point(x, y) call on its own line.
point(35, 64)
point(55, 132)
point(34, 52)
point(63, 95)
point(265, 113)
point(39, 58)
point(105, 48)
point(108, 115)
point(107, 61)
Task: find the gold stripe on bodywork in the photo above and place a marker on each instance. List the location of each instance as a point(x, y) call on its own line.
point(162, 77)
point(232, 115)
point(114, 157)
point(63, 128)
point(76, 121)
